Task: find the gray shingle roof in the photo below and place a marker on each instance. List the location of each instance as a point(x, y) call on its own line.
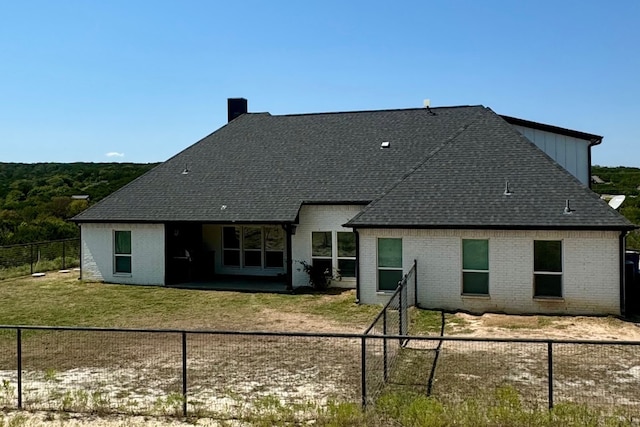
point(262, 168)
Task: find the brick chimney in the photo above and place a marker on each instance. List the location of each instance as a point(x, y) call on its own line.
point(236, 107)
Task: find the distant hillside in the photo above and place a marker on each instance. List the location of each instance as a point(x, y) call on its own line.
point(36, 199)
point(622, 180)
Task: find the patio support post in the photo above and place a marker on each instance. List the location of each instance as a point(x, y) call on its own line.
point(289, 230)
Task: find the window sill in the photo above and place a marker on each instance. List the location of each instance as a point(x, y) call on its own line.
point(548, 299)
point(122, 275)
point(476, 296)
point(385, 292)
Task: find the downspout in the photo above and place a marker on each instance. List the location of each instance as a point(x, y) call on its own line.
point(80, 227)
point(289, 230)
point(357, 266)
point(623, 234)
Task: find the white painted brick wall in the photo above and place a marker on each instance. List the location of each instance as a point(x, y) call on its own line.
point(318, 218)
point(591, 264)
point(147, 253)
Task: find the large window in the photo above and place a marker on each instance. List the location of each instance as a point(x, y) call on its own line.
point(475, 266)
point(389, 263)
point(122, 252)
point(334, 252)
point(322, 251)
point(547, 268)
point(253, 246)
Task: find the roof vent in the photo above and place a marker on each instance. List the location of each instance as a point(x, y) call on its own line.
point(507, 190)
point(567, 209)
point(385, 144)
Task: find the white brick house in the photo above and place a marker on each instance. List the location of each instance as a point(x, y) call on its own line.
point(494, 221)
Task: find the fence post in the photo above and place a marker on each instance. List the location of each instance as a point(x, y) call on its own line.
point(363, 367)
point(19, 363)
point(400, 309)
point(384, 346)
point(415, 282)
point(550, 372)
point(63, 254)
point(184, 374)
point(31, 257)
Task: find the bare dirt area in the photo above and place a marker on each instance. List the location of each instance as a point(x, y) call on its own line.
point(551, 327)
point(602, 375)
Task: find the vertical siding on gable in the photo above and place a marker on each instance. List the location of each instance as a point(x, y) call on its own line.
point(570, 153)
point(590, 270)
point(147, 253)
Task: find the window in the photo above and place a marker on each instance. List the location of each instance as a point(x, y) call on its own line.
point(475, 266)
point(253, 246)
point(231, 246)
point(122, 251)
point(321, 250)
point(547, 268)
point(273, 247)
point(347, 254)
point(389, 263)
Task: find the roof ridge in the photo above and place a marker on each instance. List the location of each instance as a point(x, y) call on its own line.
point(377, 111)
point(428, 157)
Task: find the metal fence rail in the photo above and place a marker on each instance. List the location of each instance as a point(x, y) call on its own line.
point(381, 355)
point(225, 373)
point(38, 257)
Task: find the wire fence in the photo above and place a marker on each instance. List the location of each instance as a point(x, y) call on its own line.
point(229, 374)
point(29, 258)
point(380, 355)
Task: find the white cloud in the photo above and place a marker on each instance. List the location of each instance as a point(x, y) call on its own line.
point(114, 154)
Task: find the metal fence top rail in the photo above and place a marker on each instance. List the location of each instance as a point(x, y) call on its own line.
point(319, 335)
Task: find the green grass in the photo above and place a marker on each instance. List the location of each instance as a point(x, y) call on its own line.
point(62, 300)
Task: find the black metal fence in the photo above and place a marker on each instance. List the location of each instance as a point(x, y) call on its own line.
point(29, 258)
point(228, 374)
point(380, 356)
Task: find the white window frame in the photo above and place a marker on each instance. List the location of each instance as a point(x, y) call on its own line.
point(334, 254)
point(379, 268)
point(469, 270)
point(241, 249)
point(117, 255)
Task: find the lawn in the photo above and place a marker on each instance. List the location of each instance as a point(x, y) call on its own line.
point(62, 300)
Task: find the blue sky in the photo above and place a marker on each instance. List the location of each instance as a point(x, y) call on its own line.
point(143, 80)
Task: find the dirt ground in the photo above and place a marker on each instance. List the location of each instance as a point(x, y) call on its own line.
point(553, 327)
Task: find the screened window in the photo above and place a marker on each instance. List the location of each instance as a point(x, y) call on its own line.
point(321, 250)
point(389, 263)
point(122, 251)
point(547, 268)
point(347, 254)
point(475, 266)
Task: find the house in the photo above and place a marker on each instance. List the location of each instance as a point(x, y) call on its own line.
point(496, 211)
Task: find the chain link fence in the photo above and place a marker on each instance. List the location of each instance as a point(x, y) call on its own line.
point(25, 259)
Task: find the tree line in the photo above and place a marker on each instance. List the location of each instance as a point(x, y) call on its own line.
point(626, 181)
point(37, 200)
